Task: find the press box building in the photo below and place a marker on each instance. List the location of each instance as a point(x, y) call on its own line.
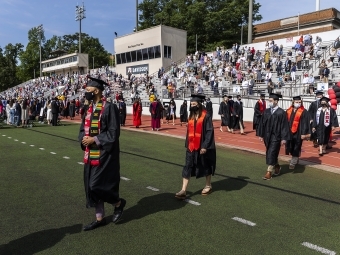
point(150, 49)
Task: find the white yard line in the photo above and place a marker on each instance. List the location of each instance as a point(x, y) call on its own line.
point(124, 178)
point(3, 135)
point(9, 137)
point(247, 222)
point(318, 248)
point(32, 145)
point(15, 140)
point(81, 163)
point(65, 157)
point(152, 188)
point(41, 149)
point(191, 202)
point(53, 153)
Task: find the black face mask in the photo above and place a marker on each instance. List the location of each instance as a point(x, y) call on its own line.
point(324, 105)
point(89, 96)
point(194, 108)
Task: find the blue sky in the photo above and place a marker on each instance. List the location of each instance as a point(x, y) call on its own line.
point(104, 17)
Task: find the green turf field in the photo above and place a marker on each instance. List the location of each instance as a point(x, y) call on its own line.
point(43, 201)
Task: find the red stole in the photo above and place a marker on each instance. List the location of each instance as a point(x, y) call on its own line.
point(262, 105)
point(195, 134)
point(297, 118)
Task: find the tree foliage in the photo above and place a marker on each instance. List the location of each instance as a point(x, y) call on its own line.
point(8, 65)
point(216, 22)
point(30, 57)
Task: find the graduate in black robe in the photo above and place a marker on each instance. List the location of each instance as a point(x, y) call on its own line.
point(238, 115)
point(299, 127)
point(122, 111)
point(183, 111)
point(325, 121)
point(313, 107)
point(274, 131)
point(225, 111)
point(209, 107)
point(259, 109)
point(102, 180)
point(200, 160)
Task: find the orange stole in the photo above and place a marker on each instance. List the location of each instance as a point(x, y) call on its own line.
point(297, 118)
point(194, 134)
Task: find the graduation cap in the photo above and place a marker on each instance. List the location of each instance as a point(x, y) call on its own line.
point(224, 96)
point(230, 97)
point(97, 83)
point(275, 96)
point(325, 99)
point(319, 93)
point(262, 95)
point(297, 98)
point(197, 98)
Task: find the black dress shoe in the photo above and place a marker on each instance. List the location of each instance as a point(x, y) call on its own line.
point(95, 224)
point(118, 212)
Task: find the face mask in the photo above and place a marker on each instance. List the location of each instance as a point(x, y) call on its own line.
point(194, 108)
point(318, 98)
point(272, 105)
point(323, 104)
point(297, 105)
point(89, 96)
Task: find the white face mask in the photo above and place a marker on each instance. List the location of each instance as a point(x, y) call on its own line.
point(297, 105)
point(271, 104)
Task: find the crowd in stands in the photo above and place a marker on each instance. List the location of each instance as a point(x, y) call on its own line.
point(247, 66)
point(244, 66)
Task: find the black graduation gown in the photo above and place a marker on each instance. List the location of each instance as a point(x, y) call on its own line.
point(226, 111)
point(273, 128)
point(238, 110)
point(122, 113)
point(257, 116)
point(293, 146)
point(201, 165)
point(313, 107)
point(183, 113)
point(72, 110)
point(209, 108)
point(322, 132)
point(102, 182)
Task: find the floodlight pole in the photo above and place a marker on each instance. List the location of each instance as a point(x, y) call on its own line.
point(80, 15)
point(136, 15)
point(40, 30)
point(250, 22)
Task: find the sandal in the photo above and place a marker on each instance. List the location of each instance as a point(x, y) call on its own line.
point(181, 195)
point(206, 191)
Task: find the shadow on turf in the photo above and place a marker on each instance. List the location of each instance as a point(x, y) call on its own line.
point(228, 184)
point(152, 204)
point(38, 241)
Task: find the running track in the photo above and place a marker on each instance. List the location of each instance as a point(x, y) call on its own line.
point(248, 142)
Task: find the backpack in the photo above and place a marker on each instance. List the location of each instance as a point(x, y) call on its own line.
point(326, 71)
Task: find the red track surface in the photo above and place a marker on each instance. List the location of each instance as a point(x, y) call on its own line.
point(248, 142)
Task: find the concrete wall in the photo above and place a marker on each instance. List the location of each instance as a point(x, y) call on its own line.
point(247, 112)
point(325, 36)
point(159, 35)
point(177, 39)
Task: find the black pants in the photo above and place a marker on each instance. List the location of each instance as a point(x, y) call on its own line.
point(54, 119)
point(122, 119)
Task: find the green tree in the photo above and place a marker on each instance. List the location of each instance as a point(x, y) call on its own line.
point(215, 22)
point(30, 57)
point(8, 65)
point(89, 45)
